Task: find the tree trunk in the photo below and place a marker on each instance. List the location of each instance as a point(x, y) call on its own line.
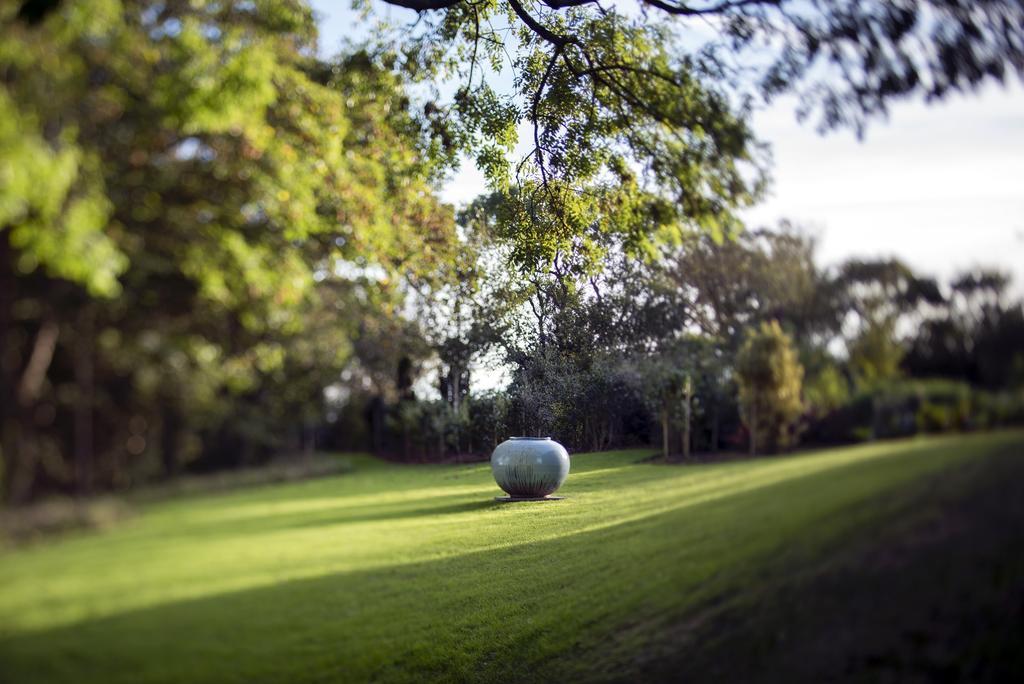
point(8, 448)
point(377, 425)
point(687, 390)
point(169, 440)
point(32, 377)
point(247, 452)
point(85, 382)
point(664, 432)
point(24, 457)
point(714, 428)
point(455, 384)
point(753, 428)
point(308, 440)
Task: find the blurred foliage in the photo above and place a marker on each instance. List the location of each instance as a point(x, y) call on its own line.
point(769, 377)
point(906, 407)
point(629, 141)
point(209, 217)
point(875, 354)
point(636, 113)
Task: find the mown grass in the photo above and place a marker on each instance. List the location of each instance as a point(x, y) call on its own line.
point(405, 573)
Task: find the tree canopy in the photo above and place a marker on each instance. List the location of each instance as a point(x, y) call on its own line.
point(636, 112)
point(193, 203)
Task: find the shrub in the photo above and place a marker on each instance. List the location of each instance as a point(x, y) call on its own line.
point(907, 407)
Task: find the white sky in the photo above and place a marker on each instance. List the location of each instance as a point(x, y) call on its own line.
point(941, 186)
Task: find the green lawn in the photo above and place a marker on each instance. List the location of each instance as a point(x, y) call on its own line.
point(401, 573)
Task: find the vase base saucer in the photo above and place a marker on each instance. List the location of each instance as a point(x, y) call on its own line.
point(516, 499)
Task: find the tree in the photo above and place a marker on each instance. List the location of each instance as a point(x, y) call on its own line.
point(190, 205)
point(769, 378)
point(974, 335)
point(636, 117)
point(876, 297)
point(639, 118)
point(602, 162)
point(757, 276)
point(673, 377)
point(665, 386)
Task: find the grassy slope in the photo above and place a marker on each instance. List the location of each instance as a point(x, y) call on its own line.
point(403, 573)
point(936, 594)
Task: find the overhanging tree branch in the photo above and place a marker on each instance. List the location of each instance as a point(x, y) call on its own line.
point(535, 26)
point(424, 5)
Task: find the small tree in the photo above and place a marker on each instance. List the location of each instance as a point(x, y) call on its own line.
point(667, 383)
point(769, 377)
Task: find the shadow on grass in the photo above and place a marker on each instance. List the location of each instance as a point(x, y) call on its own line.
point(260, 510)
point(374, 516)
point(257, 524)
point(524, 612)
point(339, 508)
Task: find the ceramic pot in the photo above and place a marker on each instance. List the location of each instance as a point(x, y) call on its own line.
point(530, 467)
